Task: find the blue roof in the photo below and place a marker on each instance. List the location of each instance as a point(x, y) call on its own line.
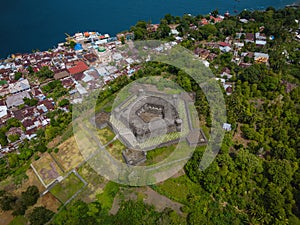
point(78, 47)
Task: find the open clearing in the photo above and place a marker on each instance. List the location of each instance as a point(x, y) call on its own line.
point(159, 154)
point(67, 188)
point(115, 149)
point(105, 135)
point(47, 168)
point(68, 155)
point(96, 183)
point(177, 189)
point(19, 220)
point(149, 196)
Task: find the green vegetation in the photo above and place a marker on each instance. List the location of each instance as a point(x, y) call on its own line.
point(30, 101)
point(67, 188)
point(3, 82)
point(79, 213)
point(54, 89)
point(18, 75)
point(107, 197)
point(44, 73)
point(105, 135)
point(178, 189)
point(255, 178)
point(20, 204)
point(159, 154)
point(115, 149)
point(13, 137)
point(40, 216)
point(64, 103)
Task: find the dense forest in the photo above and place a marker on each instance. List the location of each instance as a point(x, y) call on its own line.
point(255, 179)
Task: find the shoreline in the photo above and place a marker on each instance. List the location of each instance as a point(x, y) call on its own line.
point(233, 13)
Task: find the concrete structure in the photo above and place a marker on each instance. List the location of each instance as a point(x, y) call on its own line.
point(16, 99)
point(227, 126)
point(196, 137)
point(19, 86)
point(3, 111)
point(134, 157)
point(150, 116)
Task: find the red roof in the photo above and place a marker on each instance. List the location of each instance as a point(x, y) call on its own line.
point(224, 44)
point(216, 19)
point(204, 21)
point(78, 68)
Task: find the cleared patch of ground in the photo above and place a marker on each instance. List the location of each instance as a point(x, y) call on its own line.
point(67, 188)
point(68, 155)
point(47, 168)
point(96, 183)
point(149, 196)
point(105, 135)
point(19, 220)
point(115, 149)
point(6, 217)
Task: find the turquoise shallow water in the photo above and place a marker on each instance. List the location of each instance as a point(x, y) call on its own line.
point(36, 24)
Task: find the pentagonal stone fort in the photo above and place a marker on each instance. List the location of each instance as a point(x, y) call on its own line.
point(152, 116)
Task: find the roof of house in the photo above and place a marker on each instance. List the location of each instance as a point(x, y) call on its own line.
point(18, 86)
point(16, 99)
point(78, 68)
point(61, 75)
point(224, 44)
point(68, 82)
point(23, 113)
point(3, 111)
point(260, 42)
point(227, 126)
point(258, 55)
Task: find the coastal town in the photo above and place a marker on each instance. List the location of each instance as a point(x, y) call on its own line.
point(92, 62)
point(91, 130)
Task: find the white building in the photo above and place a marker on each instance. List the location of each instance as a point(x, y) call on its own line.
point(19, 86)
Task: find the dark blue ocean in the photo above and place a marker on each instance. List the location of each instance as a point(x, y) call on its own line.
point(36, 24)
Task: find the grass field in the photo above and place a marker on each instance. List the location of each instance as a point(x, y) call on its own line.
point(105, 135)
point(47, 168)
point(159, 154)
point(67, 188)
point(115, 149)
point(68, 155)
point(178, 188)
